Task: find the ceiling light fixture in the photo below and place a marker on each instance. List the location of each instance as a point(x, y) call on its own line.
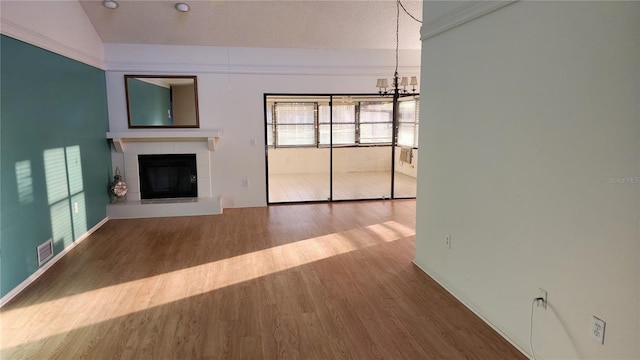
point(383, 84)
point(110, 4)
point(396, 92)
point(182, 7)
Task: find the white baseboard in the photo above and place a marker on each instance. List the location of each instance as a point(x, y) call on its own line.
point(23, 285)
point(451, 290)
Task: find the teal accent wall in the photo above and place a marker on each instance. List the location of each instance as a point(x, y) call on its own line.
point(149, 103)
point(54, 154)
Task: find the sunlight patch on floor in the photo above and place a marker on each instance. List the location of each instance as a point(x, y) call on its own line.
point(138, 295)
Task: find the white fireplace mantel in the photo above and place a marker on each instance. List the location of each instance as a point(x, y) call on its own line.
point(120, 138)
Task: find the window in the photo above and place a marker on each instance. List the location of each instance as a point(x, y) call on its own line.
point(295, 124)
point(408, 123)
point(305, 121)
point(270, 128)
point(376, 122)
point(344, 125)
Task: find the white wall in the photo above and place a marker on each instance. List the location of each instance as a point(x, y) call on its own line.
point(58, 26)
point(533, 115)
point(231, 87)
point(316, 161)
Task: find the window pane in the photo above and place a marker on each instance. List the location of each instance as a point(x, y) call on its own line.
point(406, 133)
point(289, 135)
point(375, 133)
point(406, 123)
point(343, 134)
point(376, 112)
point(323, 114)
point(341, 114)
point(269, 128)
point(344, 114)
point(295, 113)
point(344, 124)
point(376, 122)
point(294, 124)
point(407, 111)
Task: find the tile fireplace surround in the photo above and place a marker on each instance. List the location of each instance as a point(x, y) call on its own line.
point(128, 145)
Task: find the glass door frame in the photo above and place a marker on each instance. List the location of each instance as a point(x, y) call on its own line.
point(331, 96)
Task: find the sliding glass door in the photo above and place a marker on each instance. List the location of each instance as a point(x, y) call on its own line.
point(361, 166)
point(298, 168)
point(339, 147)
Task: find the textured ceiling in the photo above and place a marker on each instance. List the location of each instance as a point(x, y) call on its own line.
point(362, 24)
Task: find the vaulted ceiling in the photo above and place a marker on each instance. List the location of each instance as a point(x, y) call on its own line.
point(317, 24)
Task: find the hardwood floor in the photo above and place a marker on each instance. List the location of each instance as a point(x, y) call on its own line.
point(321, 281)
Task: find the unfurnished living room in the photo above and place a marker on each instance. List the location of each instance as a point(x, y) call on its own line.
point(287, 179)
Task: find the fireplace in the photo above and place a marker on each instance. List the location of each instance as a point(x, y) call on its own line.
point(168, 176)
point(130, 149)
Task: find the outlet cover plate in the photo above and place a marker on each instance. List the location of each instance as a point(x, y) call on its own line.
point(543, 294)
point(597, 329)
point(447, 241)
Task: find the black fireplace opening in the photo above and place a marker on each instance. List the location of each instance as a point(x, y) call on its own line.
point(168, 176)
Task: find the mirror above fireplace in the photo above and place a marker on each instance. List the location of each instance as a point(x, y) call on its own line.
point(159, 101)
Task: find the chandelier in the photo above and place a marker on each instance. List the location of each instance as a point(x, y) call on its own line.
point(399, 84)
point(383, 85)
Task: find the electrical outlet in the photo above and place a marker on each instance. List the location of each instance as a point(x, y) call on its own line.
point(447, 241)
point(542, 293)
point(245, 182)
point(597, 329)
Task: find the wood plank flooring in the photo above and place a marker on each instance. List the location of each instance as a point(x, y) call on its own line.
point(312, 281)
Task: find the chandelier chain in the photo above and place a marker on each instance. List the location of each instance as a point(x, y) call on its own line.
point(397, 33)
point(398, 6)
point(382, 83)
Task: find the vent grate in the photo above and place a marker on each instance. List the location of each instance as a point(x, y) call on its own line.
point(45, 252)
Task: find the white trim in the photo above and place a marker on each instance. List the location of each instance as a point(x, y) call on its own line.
point(452, 290)
point(23, 285)
point(463, 14)
point(21, 33)
point(190, 68)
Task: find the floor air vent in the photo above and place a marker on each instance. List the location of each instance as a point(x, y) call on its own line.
point(45, 251)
